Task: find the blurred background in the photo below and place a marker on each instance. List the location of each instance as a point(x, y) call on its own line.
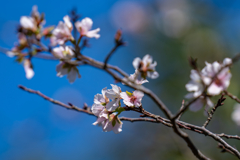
point(169, 30)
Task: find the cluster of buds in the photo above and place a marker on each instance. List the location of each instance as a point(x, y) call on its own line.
point(107, 107)
point(210, 81)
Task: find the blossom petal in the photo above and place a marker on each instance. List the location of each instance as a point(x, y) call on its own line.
point(136, 62)
point(28, 69)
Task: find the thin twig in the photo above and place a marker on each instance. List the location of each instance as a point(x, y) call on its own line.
point(224, 149)
point(55, 101)
point(232, 96)
point(110, 54)
point(229, 136)
point(183, 102)
point(210, 115)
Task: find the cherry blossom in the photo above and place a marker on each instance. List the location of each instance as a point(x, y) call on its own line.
point(132, 99)
point(114, 95)
point(62, 32)
point(84, 27)
point(28, 69)
point(221, 81)
point(100, 101)
point(63, 52)
point(34, 22)
point(71, 71)
point(28, 23)
point(136, 77)
point(109, 122)
point(236, 114)
point(146, 67)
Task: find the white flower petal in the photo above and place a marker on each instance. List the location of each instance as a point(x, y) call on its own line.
point(136, 62)
point(227, 61)
point(28, 69)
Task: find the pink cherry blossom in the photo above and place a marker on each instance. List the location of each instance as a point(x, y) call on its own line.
point(146, 67)
point(84, 27)
point(221, 81)
point(132, 99)
point(62, 32)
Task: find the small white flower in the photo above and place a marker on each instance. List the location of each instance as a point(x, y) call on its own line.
point(63, 52)
point(28, 23)
point(236, 114)
point(132, 99)
point(84, 28)
point(99, 101)
point(28, 69)
point(114, 95)
point(62, 32)
point(221, 81)
point(69, 70)
point(112, 124)
point(146, 66)
point(68, 22)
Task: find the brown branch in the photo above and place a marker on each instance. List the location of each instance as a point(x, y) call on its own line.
point(229, 136)
point(190, 144)
point(154, 97)
point(183, 102)
point(110, 54)
point(224, 149)
point(55, 101)
point(232, 96)
point(157, 119)
point(86, 109)
point(210, 115)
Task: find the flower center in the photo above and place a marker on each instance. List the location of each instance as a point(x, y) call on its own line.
point(218, 82)
point(132, 99)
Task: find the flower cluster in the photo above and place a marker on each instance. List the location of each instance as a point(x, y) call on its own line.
point(210, 81)
point(107, 107)
point(30, 33)
point(60, 35)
